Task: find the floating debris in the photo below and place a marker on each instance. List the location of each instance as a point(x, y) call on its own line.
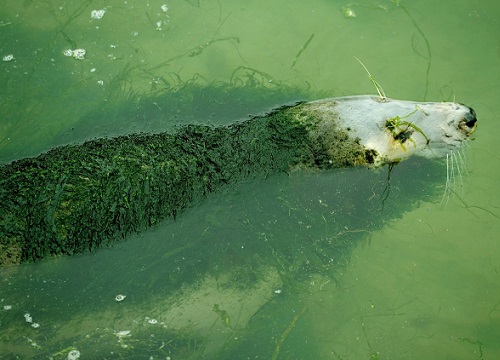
point(7, 307)
point(34, 344)
point(153, 321)
point(348, 12)
point(35, 325)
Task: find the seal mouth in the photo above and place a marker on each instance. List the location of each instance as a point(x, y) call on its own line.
point(469, 123)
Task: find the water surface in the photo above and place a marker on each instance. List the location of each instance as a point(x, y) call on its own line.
point(424, 283)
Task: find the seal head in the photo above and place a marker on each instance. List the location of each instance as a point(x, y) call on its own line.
point(392, 130)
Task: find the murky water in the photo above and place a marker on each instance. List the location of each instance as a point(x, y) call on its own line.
point(423, 285)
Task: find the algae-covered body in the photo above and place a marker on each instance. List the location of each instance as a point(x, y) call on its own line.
point(77, 198)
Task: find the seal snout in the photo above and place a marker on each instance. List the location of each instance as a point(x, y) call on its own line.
point(469, 121)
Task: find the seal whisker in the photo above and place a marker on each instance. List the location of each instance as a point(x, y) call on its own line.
point(456, 166)
point(463, 159)
point(446, 193)
point(453, 177)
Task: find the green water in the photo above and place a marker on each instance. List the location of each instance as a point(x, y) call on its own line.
point(425, 283)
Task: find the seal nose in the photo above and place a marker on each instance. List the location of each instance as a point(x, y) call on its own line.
point(470, 119)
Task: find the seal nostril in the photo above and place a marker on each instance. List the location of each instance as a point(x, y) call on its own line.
point(471, 123)
point(470, 118)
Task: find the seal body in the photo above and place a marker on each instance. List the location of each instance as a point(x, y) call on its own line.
point(80, 197)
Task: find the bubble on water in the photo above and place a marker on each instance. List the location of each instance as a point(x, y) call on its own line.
point(9, 57)
point(122, 333)
point(78, 54)
point(28, 317)
point(97, 14)
point(73, 355)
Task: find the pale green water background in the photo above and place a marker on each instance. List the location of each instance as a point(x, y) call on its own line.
point(427, 286)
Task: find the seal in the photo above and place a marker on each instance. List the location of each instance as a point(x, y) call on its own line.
point(80, 197)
